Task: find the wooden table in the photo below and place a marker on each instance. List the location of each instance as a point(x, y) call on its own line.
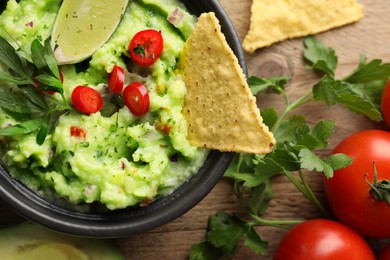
point(370, 36)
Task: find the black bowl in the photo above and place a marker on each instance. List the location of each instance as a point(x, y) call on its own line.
point(132, 220)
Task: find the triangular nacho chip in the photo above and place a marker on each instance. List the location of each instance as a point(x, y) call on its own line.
point(278, 20)
point(220, 109)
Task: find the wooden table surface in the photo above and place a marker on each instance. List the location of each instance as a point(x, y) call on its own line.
point(369, 36)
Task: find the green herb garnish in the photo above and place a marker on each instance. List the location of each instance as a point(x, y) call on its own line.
point(30, 102)
point(139, 50)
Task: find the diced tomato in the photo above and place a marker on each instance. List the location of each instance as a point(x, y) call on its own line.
point(78, 132)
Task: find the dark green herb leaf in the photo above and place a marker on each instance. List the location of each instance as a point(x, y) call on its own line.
point(50, 59)
point(335, 91)
point(312, 162)
point(18, 103)
point(253, 241)
point(361, 106)
point(43, 58)
point(43, 131)
point(258, 85)
point(226, 230)
point(374, 70)
point(50, 83)
point(9, 57)
point(285, 132)
point(260, 197)
point(22, 128)
point(38, 55)
point(254, 179)
point(35, 97)
point(322, 132)
point(328, 90)
point(372, 91)
point(14, 80)
point(303, 136)
point(204, 251)
point(320, 58)
point(270, 116)
point(338, 161)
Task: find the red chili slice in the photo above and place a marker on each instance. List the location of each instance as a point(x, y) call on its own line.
point(136, 98)
point(78, 132)
point(87, 100)
point(146, 47)
point(116, 79)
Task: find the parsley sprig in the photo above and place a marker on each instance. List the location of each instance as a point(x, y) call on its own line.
point(30, 104)
point(296, 150)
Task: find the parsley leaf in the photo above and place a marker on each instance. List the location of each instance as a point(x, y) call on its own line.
point(226, 230)
point(360, 91)
point(366, 72)
point(320, 58)
point(205, 251)
point(258, 84)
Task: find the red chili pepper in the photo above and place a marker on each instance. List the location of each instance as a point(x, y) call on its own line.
point(146, 47)
point(87, 100)
point(116, 79)
point(136, 98)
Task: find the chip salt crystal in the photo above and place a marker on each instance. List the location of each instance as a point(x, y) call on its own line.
point(277, 20)
point(220, 109)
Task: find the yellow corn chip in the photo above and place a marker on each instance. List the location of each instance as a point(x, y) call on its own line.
point(277, 20)
point(219, 107)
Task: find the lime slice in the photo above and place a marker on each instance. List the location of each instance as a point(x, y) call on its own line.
point(83, 26)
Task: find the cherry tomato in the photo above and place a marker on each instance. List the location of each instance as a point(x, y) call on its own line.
point(386, 103)
point(146, 47)
point(136, 98)
point(323, 239)
point(384, 253)
point(87, 100)
point(348, 192)
point(116, 79)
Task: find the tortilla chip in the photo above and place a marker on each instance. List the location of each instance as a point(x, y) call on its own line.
point(220, 109)
point(277, 20)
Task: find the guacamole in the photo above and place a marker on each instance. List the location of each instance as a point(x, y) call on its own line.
point(121, 159)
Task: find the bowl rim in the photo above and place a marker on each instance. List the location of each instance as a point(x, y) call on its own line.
point(132, 220)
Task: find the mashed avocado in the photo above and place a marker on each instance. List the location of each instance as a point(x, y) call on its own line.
point(116, 159)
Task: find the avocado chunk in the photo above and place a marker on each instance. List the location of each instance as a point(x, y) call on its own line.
point(34, 242)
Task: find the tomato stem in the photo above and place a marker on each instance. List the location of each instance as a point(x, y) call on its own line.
point(379, 190)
